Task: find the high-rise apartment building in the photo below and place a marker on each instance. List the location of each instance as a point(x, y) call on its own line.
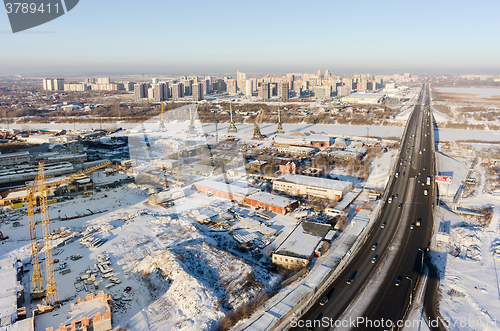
point(160, 91)
point(371, 86)
point(75, 87)
point(206, 86)
point(188, 85)
point(231, 86)
point(209, 87)
point(241, 78)
point(90, 80)
point(323, 92)
point(265, 91)
point(177, 91)
point(248, 88)
point(198, 92)
point(342, 91)
point(103, 80)
point(51, 84)
point(283, 91)
point(140, 90)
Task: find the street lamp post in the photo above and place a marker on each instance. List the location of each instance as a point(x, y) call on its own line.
point(411, 288)
point(422, 263)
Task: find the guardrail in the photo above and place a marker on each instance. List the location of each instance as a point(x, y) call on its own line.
point(309, 299)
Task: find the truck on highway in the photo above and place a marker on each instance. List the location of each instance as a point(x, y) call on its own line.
point(428, 180)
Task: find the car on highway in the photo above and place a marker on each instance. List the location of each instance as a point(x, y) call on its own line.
point(383, 225)
point(400, 205)
point(390, 199)
point(326, 298)
point(375, 258)
point(350, 279)
point(426, 192)
point(419, 222)
point(423, 169)
point(412, 226)
point(398, 281)
point(374, 247)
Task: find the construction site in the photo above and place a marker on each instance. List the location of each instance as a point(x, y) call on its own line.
point(174, 231)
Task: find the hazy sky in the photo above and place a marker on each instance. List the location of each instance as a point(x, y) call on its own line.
point(160, 36)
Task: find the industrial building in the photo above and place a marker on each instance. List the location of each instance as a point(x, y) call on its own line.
point(55, 157)
point(298, 248)
point(303, 140)
point(364, 98)
point(271, 202)
point(300, 185)
point(78, 185)
point(14, 158)
point(296, 150)
point(18, 176)
point(223, 190)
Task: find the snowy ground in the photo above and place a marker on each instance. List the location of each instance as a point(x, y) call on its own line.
point(469, 264)
point(180, 278)
point(245, 130)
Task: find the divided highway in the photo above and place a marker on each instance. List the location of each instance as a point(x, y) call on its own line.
point(415, 165)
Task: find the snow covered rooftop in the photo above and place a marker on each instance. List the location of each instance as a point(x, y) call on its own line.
point(226, 188)
point(302, 241)
point(347, 199)
point(271, 199)
point(9, 155)
point(8, 292)
point(315, 181)
point(301, 140)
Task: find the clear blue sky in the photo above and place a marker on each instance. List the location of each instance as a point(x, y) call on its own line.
point(159, 36)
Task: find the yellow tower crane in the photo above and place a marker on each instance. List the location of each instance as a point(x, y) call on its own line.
point(162, 124)
point(40, 188)
point(37, 274)
point(51, 287)
point(257, 135)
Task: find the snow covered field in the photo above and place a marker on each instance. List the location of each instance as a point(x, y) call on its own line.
point(481, 92)
point(469, 263)
point(179, 278)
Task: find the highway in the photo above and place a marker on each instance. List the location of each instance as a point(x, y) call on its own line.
point(415, 165)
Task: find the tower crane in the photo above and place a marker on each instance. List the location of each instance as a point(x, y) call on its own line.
point(280, 125)
point(192, 128)
point(257, 135)
point(40, 189)
point(51, 287)
point(232, 127)
point(162, 124)
point(37, 274)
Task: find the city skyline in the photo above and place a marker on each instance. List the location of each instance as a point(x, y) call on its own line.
point(171, 38)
